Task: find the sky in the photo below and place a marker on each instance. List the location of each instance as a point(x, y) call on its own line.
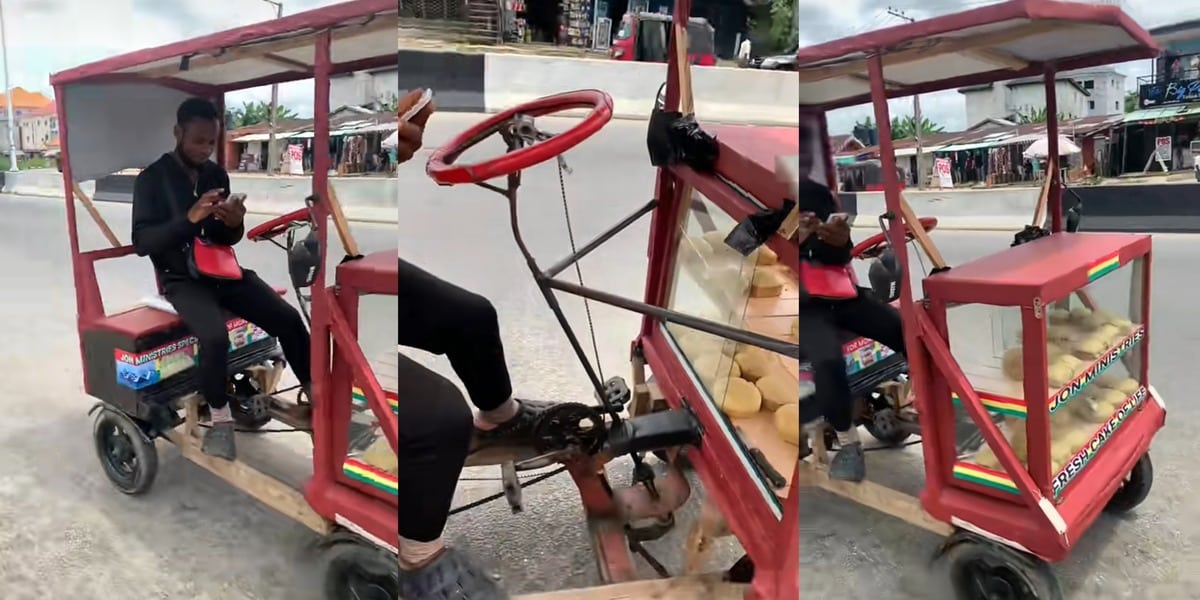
point(822, 20)
point(47, 36)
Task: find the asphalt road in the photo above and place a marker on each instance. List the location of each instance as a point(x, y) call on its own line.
point(65, 532)
point(846, 551)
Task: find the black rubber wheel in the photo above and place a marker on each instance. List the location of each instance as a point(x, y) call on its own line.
point(250, 409)
point(976, 569)
point(742, 571)
point(129, 460)
point(1136, 487)
point(357, 571)
point(885, 426)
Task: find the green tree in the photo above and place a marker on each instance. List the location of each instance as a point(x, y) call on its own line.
point(1131, 101)
point(782, 30)
point(868, 123)
point(253, 113)
point(906, 127)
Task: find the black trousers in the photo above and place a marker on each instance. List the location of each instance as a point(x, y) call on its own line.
point(821, 322)
point(435, 421)
point(202, 305)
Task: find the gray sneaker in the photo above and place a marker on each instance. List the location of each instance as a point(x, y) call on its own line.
point(219, 442)
point(451, 576)
point(849, 464)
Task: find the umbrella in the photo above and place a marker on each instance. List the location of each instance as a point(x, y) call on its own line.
point(1039, 148)
point(391, 141)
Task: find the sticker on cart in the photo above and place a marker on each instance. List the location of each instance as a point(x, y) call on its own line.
point(1085, 378)
point(144, 369)
point(1105, 433)
point(862, 353)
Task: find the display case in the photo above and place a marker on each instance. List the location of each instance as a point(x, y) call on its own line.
point(1050, 337)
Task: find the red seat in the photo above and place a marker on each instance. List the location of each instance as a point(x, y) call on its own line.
point(144, 320)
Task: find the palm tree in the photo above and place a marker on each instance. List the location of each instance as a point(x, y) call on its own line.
point(253, 113)
point(1038, 115)
point(1131, 101)
point(906, 127)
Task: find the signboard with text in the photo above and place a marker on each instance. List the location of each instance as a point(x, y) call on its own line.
point(1166, 93)
point(941, 166)
point(1162, 148)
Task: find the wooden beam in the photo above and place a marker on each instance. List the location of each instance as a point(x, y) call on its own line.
point(999, 58)
point(221, 56)
point(90, 207)
point(339, 222)
point(932, 48)
point(294, 65)
point(708, 587)
point(872, 495)
point(920, 235)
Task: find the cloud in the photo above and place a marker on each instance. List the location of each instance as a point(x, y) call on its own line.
point(823, 21)
point(46, 36)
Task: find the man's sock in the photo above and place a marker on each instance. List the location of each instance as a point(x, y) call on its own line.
point(489, 419)
point(414, 554)
point(221, 415)
point(845, 438)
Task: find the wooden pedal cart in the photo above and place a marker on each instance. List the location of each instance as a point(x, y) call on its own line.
point(1043, 346)
point(118, 114)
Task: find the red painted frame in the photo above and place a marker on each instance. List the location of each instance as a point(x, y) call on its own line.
point(1035, 524)
point(334, 306)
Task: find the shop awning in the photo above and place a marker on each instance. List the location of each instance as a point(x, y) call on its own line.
point(971, 146)
point(1161, 112)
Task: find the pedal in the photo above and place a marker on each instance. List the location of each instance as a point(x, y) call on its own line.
point(616, 393)
point(512, 486)
point(655, 431)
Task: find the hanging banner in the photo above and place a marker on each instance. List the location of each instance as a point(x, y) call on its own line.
point(295, 154)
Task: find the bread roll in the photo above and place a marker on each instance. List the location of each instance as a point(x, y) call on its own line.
point(1058, 316)
point(1013, 364)
point(779, 387)
point(766, 256)
point(986, 458)
point(766, 284)
point(379, 455)
point(741, 398)
point(1083, 318)
point(1108, 379)
point(1109, 332)
point(1059, 334)
point(787, 423)
point(795, 328)
point(1017, 439)
point(1060, 372)
point(1091, 347)
point(711, 366)
point(1127, 386)
point(1107, 401)
point(1088, 410)
point(754, 362)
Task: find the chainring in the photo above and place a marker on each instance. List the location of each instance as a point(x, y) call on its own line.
point(570, 426)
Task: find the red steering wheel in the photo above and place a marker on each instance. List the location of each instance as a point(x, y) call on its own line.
point(442, 168)
point(278, 225)
point(873, 246)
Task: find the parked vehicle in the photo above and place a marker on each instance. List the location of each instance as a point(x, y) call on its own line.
point(644, 37)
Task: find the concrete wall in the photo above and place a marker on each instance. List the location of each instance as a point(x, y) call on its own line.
point(994, 209)
point(721, 94)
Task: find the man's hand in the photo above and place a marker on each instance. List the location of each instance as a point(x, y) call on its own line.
point(411, 133)
point(230, 212)
point(835, 233)
point(205, 205)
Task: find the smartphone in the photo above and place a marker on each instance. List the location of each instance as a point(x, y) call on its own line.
point(238, 198)
point(838, 217)
point(415, 109)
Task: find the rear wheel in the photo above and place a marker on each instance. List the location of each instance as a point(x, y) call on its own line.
point(1136, 487)
point(972, 568)
point(129, 459)
point(250, 408)
point(357, 571)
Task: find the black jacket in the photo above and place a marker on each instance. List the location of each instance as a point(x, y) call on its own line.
point(817, 199)
point(162, 195)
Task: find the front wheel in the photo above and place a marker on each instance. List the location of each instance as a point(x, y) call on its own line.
point(128, 458)
point(357, 571)
point(973, 568)
point(1136, 487)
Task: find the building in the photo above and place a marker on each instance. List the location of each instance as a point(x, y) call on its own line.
point(1168, 117)
point(38, 130)
point(1106, 90)
point(363, 88)
point(1011, 99)
point(24, 102)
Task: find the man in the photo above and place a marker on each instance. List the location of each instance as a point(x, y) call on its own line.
point(436, 424)
point(183, 196)
point(825, 242)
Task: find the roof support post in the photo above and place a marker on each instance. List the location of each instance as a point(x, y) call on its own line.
point(1054, 172)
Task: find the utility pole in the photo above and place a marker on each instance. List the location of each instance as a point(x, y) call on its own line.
point(272, 150)
point(918, 121)
point(8, 98)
